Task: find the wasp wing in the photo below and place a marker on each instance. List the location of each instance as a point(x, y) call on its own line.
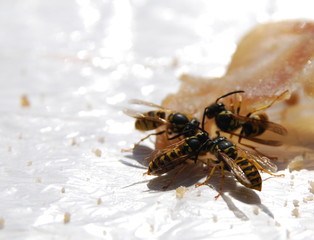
point(264, 161)
point(237, 171)
point(171, 159)
point(261, 141)
point(167, 149)
point(143, 116)
point(271, 126)
point(132, 113)
point(149, 104)
point(164, 167)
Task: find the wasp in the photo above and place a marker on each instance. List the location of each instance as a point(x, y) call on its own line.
point(177, 124)
point(243, 164)
point(252, 125)
point(176, 154)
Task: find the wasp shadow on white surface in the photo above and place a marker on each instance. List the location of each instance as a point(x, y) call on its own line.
point(195, 173)
point(237, 192)
point(190, 175)
point(139, 154)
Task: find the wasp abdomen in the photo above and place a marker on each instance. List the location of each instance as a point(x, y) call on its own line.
point(250, 172)
point(170, 159)
point(252, 129)
point(147, 125)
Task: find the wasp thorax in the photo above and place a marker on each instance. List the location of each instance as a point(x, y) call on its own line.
point(178, 118)
point(194, 144)
point(224, 144)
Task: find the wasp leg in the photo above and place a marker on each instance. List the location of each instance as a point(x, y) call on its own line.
point(268, 105)
point(174, 176)
point(259, 167)
point(221, 182)
point(208, 177)
point(232, 107)
point(239, 105)
point(143, 139)
point(231, 104)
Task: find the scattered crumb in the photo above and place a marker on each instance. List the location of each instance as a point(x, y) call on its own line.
point(20, 136)
point(180, 192)
point(30, 163)
point(215, 218)
point(295, 212)
point(2, 222)
point(175, 62)
point(62, 190)
point(151, 228)
point(296, 203)
point(66, 218)
point(89, 106)
point(24, 101)
point(73, 142)
point(101, 139)
point(292, 177)
point(256, 211)
point(296, 164)
point(285, 204)
point(198, 193)
point(99, 201)
point(9, 149)
point(308, 199)
point(311, 186)
point(97, 152)
point(38, 180)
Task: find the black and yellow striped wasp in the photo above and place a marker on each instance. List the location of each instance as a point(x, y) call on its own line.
point(251, 126)
point(243, 164)
point(176, 124)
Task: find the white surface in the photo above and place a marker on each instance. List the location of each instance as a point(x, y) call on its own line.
point(78, 62)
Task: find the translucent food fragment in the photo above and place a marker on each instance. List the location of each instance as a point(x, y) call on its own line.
point(180, 191)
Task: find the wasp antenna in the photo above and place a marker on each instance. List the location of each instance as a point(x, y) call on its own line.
point(228, 94)
point(203, 119)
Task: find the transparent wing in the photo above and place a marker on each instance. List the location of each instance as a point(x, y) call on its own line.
point(264, 161)
point(271, 126)
point(149, 104)
point(237, 171)
point(261, 141)
point(167, 149)
point(142, 116)
point(167, 166)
